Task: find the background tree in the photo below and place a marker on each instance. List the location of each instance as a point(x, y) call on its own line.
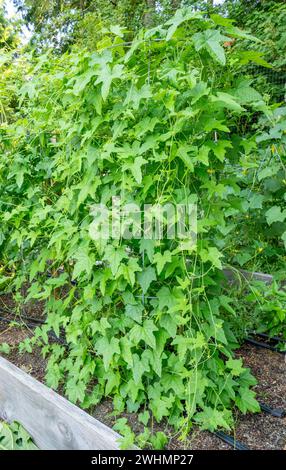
point(9, 73)
point(62, 22)
point(59, 22)
point(8, 29)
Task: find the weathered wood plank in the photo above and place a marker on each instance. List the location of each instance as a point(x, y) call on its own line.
point(238, 275)
point(51, 420)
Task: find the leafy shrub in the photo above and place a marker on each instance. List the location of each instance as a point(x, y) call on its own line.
point(259, 308)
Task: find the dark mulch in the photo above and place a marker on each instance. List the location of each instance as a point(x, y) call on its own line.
point(269, 368)
point(9, 306)
point(34, 364)
point(257, 431)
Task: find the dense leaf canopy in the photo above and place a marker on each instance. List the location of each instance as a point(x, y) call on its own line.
point(169, 117)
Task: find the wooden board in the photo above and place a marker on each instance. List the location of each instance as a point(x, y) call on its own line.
point(237, 275)
point(51, 420)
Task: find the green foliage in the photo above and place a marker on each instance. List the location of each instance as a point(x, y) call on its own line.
point(8, 30)
point(60, 23)
point(14, 437)
point(260, 308)
point(155, 122)
point(5, 348)
point(267, 20)
point(261, 213)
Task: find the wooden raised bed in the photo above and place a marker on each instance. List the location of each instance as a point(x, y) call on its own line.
point(52, 421)
point(237, 275)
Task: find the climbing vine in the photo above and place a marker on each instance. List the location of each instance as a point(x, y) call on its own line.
point(152, 122)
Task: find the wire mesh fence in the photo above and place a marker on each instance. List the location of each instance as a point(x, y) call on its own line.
point(271, 81)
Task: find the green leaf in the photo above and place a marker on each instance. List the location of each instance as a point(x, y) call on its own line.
point(144, 417)
point(84, 263)
point(159, 440)
point(135, 312)
point(106, 76)
point(185, 344)
point(173, 382)
point(148, 333)
point(162, 259)
point(114, 256)
point(256, 201)
point(75, 390)
point(155, 360)
point(146, 277)
point(20, 177)
point(168, 322)
point(183, 154)
point(212, 124)
point(181, 15)
point(235, 366)
point(140, 366)
point(221, 20)
point(253, 56)
point(160, 405)
point(136, 168)
point(274, 214)
point(145, 125)
point(125, 345)
point(219, 148)
point(117, 30)
point(14, 437)
point(245, 93)
point(148, 246)
point(268, 172)
point(6, 437)
point(199, 90)
point(144, 333)
point(129, 271)
point(211, 419)
point(127, 441)
point(5, 348)
point(53, 376)
point(135, 95)
point(227, 101)
point(213, 255)
point(22, 439)
point(225, 301)
point(165, 297)
point(202, 155)
point(210, 40)
point(246, 401)
point(113, 382)
point(107, 349)
point(243, 258)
